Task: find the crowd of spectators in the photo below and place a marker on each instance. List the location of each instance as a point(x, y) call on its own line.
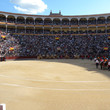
point(65, 46)
point(7, 41)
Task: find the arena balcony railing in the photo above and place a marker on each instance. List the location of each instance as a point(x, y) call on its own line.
point(20, 22)
point(65, 24)
point(29, 23)
point(73, 23)
point(48, 23)
point(56, 23)
point(91, 22)
point(39, 23)
point(83, 23)
point(2, 21)
point(101, 22)
point(10, 21)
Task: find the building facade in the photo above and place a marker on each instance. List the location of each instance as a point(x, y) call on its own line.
point(54, 24)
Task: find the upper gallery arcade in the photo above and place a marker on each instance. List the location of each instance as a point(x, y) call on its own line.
point(55, 23)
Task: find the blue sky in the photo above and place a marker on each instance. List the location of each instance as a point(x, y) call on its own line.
point(67, 7)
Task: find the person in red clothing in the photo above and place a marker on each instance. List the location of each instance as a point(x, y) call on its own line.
point(101, 63)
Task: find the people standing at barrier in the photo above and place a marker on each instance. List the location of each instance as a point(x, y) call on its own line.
point(109, 65)
point(97, 63)
point(65, 45)
point(101, 63)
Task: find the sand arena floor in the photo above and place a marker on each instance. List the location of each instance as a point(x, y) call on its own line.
point(54, 85)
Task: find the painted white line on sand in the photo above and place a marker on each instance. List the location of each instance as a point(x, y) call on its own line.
point(106, 81)
point(66, 81)
point(52, 89)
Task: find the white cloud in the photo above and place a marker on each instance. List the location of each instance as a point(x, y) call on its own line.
point(29, 6)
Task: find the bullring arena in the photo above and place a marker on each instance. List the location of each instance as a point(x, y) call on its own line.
point(64, 84)
point(49, 61)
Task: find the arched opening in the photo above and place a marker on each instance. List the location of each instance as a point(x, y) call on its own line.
point(20, 20)
point(74, 21)
point(83, 21)
point(47, 21)
point(92, 21)
point(38, 21)
point(101, 20)
point(11, 19)
point(65, 21)
point(29, 20)
point(2, 18)
point(56, 21)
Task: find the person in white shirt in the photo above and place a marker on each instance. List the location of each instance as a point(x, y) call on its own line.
point(97, 63)
point(95, 59)
point(109, 65)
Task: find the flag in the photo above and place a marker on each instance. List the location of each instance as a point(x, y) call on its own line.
point(109, 37)
point(3, 36)
point(57, 38)
point(105, 48)
point(11, 48)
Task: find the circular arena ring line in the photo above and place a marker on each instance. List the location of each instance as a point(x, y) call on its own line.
point(5, 76)
point(52, 89)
